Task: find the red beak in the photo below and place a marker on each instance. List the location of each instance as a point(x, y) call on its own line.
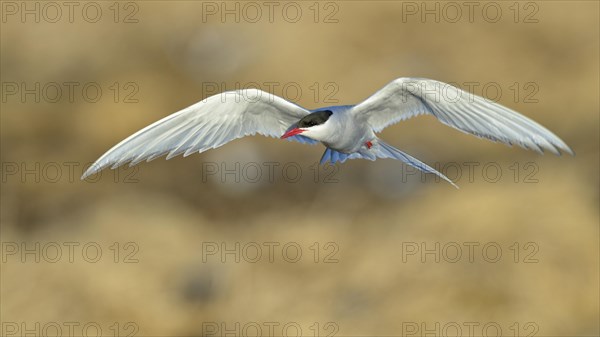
point(292, 132)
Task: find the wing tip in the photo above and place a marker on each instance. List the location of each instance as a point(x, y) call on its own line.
point(558, 147)
point(91, 171)
point(96, 168)
point(567, 149)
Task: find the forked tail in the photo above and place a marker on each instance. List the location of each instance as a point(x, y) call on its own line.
point(380, 149)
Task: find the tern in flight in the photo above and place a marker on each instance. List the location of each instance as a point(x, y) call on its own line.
point(347, 131)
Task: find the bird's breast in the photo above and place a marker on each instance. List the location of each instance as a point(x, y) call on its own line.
point(349, 137)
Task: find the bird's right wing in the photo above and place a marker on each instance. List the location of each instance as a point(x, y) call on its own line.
point(205, 125)
point(404, 98)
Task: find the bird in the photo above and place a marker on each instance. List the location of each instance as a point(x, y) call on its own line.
point(346, 131)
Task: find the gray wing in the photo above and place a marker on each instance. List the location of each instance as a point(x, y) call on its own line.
point(205, 125)
point(407, 97)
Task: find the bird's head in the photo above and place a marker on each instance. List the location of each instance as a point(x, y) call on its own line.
point(313, 126)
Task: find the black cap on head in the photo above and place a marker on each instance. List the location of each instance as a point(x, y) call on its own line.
point(315, 118)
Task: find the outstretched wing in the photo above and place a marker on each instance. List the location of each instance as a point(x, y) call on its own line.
point(205, 125)
point(407, 97)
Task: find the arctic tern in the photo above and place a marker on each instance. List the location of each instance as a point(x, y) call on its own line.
point(348, 131)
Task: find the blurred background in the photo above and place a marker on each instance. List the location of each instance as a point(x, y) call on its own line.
point(254, 238)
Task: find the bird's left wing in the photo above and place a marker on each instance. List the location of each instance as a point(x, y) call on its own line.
point(205, 125)
point(404, 98)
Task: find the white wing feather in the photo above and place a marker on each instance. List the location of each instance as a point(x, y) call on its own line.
point(205, 125)
point(407, 97)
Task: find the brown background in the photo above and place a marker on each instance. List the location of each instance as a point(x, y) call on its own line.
point(169, 212)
